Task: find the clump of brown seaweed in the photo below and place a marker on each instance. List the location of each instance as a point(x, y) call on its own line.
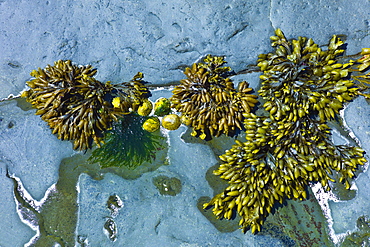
point(77, 106)
point(304, 87)
point(208, 101)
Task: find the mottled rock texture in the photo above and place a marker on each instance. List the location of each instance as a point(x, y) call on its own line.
point(158, 38)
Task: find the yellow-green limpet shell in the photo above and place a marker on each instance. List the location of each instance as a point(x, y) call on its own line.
point(171, 122)
point(151, 124)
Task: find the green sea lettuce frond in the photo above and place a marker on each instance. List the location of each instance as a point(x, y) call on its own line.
point(127, 144)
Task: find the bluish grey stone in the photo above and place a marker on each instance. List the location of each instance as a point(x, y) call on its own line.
point(158, 38)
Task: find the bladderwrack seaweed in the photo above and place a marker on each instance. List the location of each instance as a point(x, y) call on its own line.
point(208, 101)
point(303, 87)
point(78, 107)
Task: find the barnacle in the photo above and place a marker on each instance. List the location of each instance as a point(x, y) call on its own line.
point(304, 87)
point(208, 100)
point(127, 144)
point(78, 107)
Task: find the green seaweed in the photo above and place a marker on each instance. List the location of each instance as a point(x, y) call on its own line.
point(302, 221)
point(361, 236)
point(127, 144)
point(167, 186)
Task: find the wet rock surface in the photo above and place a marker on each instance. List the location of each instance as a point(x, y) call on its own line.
point(160, 39)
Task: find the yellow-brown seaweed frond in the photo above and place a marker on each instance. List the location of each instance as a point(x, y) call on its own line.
point(78, 107)
point(275, 164)
point(132, 95)
point(361, 73)
point(301, 74)
point(208, 100)
point(304, 87)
